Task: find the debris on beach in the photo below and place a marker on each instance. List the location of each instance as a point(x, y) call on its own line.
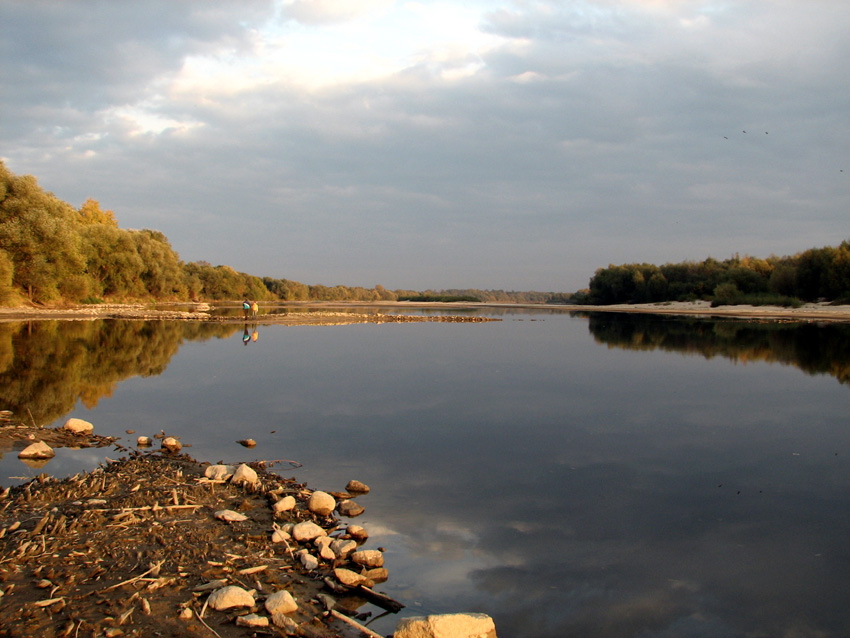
point(157, 543)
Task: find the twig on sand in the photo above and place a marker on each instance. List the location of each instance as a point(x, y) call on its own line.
point(155, 567)
point(355, 624)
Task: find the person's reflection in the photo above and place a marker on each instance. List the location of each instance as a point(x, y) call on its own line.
point(246, 337)
point(256, 334)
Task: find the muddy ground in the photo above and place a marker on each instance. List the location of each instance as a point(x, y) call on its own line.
point(131, 548)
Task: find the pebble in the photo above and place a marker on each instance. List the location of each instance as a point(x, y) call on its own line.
point(78, 426)
point(144, 441)
point(357, 487)
point(171, 444)
point(348, 577)
point(357, 533)
point(230, 516)
point(244, 474)
point(307, 531)
point(309, 561)
point(281, 602)
point(342, 547)
point(350, 509)
point(368, 558)
point(230, 596)
point(37, 450)
point(321, 503)
point(282, 621)
point(247, 442)
point(252, 620)
point(218, 472)
point(284, 505)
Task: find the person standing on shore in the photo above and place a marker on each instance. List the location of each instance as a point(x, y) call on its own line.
point(246, 306)
point(254, 309)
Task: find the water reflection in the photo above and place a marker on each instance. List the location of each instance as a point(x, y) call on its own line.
point(47, 366)
point(814, 348)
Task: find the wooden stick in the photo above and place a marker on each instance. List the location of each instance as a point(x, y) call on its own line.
point(137, 578)
point(355, 624)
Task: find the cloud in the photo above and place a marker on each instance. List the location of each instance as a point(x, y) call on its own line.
point(565, 136)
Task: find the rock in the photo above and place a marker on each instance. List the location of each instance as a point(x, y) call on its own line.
point(377, 575)
point(351, 509)
point(78, 426)
point(307, 531)
point(357, 533)
point(37, 450)
point(218, 472)
point(368, 558)
point(144, 441)
point(230, 516)
point(252, 620)
point(280, 536)
point(357, 487)
point(186, 614)
point(171, 444)
point(309, 561)
point(321, 503)
point(247, 442)
point(229, 597)
point(342, 547)
point(348, 577)
point(282, 621)
point(284, 505)
point(244, 474)
point(446, 626)
point(281, 602)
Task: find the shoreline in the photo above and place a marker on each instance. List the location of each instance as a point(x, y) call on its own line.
point(139, 545)
point(329, 312)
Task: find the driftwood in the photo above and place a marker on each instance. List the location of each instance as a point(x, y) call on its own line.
point(354, 624)
point(381, 600)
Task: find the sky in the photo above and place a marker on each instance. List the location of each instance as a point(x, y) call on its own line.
point(493, 144)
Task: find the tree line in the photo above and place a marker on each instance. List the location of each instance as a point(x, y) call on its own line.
point(816, 273)
point(52, 252)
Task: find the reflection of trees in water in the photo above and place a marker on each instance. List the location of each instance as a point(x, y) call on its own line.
point(815, 349)
point(46, 366)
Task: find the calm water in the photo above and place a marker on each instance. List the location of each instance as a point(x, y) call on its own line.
point(587, 476)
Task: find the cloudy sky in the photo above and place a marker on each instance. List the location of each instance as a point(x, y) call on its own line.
point(506, 144)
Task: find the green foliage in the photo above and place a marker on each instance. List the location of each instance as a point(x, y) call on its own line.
point(811, 275)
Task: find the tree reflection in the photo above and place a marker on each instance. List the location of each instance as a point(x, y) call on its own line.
point(813, 348)
point(46, 366)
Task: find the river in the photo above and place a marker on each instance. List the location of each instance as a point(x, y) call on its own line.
point(587, 475)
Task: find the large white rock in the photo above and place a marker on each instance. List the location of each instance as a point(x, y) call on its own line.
point(281, 602)
point(446, 626)
point(307, 531)
point(78, 426)
point(321, 503)
point(229, 597)
point(37, 450)
point(244, 474)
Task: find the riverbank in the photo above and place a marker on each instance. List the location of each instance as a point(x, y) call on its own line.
point(339, 313)
point(139, 546)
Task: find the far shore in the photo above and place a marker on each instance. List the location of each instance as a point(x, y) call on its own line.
point(340, 312)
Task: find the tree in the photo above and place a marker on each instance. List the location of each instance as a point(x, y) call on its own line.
point(91, 213)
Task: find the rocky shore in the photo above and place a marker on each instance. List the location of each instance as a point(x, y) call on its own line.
point(157, 543)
